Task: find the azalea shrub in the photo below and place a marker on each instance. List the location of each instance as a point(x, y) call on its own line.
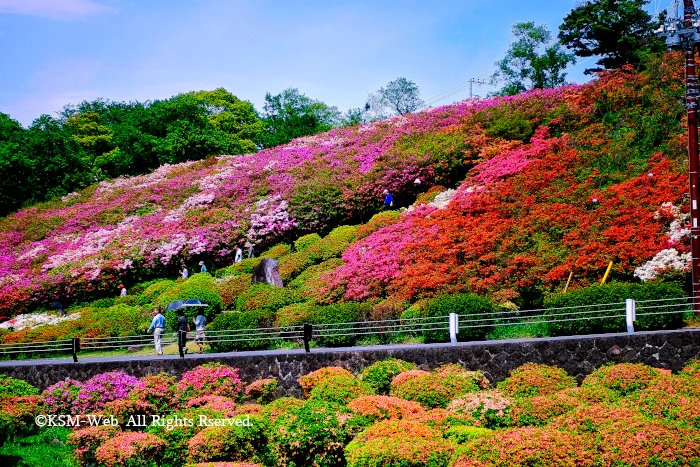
point(60, 397)
point(310, 380)
point(534, 379)
point(434, 389)
point(339, 389)
point(158, 390)
point(262, 389)
point(379, 374)
point(246, 441)
point(10, 387)
point(623, 378)
point(131, 450)
point(314, 434)
point(210, 379)
point(101, 389)
point(86, 440)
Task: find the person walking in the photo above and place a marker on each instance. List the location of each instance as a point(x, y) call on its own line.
point(182, 328)
point(123, 291)
point(200, 323)
point(388, 200)
point(251, 251)
point(203, 267)
point(239, 255)
point(158, 326)
point(184, 272)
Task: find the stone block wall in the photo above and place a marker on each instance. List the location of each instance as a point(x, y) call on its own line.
point(577, 355)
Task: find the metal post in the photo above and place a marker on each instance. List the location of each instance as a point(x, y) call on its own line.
point(308, 332)
point(691, 92)
point(75, 343)
point(686, 34)
point(630, 314)
point(454, 327)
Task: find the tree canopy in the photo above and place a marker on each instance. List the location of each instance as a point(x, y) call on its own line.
point(617, 31)
point(533, 61)
point(291, 114)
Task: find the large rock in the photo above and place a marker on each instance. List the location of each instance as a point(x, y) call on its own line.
point(268, 272)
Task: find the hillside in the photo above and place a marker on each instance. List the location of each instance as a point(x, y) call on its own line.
point(547, 182)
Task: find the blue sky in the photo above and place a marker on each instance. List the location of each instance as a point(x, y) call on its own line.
point(58, 52)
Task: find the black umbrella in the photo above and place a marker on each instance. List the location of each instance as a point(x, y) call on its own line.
point(177, 304)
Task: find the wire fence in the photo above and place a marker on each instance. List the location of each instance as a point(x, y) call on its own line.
point(576, 320)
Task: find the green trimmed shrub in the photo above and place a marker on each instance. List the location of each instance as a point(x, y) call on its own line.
point(462, 434)
point(292, 265)
point(277, 251)
point(240, 325)
point(11, 387)
point(616, 293)
point(294, 314)
point(111, 301)
point(378, 221)
point(236, 269)
point(199, 286)
point(540, 410)
point(265, 298)
point(310, 380)
point(304, 242)
point(155, 290)
point(310, 276)
point(379, 374)
point(177, 433)
point(338, 314)
point(314, 434)
point(231, 443)
point(533, 379)
point(435, 389)
point(623, 378)
point(400, 451)
point(278, 407)
point(340, 389)
point(332, 245)
point(231, 287)
point(471, 310)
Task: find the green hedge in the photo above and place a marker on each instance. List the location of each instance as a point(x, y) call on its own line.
point(245, 340)
point(470, 308)
point(277, 251)
point(616, 292)
point(337, 315)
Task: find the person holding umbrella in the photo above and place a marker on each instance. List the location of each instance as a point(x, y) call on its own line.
point(158, 326)
point(182, 328)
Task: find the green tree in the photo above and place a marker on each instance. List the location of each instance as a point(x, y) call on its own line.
point(291, 114)
point(400, 96)
point(617, 31)
point(16, 167)
point(60, 166)
point(532, 61)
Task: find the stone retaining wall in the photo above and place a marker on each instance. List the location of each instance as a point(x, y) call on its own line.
point(577, 355)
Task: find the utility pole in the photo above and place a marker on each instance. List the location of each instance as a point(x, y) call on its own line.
point(472, 82)
point(684, 33)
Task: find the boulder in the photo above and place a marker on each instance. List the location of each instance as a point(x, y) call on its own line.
point(267, 271)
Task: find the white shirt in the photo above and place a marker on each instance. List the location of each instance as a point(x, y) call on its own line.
point(239, 256)
point(185, 273)
point(123, 292)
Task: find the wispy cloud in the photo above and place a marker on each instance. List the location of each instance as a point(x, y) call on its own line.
point(62, 10)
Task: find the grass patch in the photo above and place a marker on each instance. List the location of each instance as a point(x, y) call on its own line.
point(46, 449)
point(519, 331)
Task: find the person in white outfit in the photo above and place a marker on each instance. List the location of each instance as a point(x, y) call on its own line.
point(239, 255)
point(123, 291)
point(158, 326)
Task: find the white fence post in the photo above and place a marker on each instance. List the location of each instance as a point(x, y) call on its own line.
point(631, 314)
point(454, 327)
